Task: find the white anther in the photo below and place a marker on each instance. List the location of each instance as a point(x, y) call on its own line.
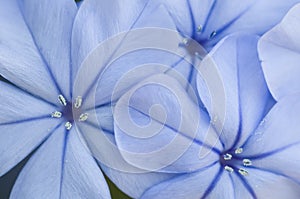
point(213, 34)
point(214, 120)
point(83, 117)
point(185, 41)
point(243, 172)
point(78, 102)
point(199, 29)
point(227, 156)
point(238, 151)
point(62, 100)
point(56, 114)
point(198, 56)
point(228, 168)
point(247, 162)
point(68, 125)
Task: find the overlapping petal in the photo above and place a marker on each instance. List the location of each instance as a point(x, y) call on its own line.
point(246, 96)
point(134, 184)
point(279, 50)
point(273, 146)
point(262, 184)
point(200, 184)
point(131, 180)
point(125, 58)
point(209, 21)
point(157, 126)
point(97, 14)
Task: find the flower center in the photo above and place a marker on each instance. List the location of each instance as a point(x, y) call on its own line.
point(71, 112)
point(231, 161)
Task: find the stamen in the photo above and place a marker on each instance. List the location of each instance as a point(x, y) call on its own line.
point(68, 125)
point(213, 34)
point(238, 151)
point(78, 102)
point(198, 56)
point(214, 120)
point(62, 100)
point(227, 156)
point(56, 114)
point(83, 117)
point(247, 162)
point(199, 29)
point(228, 168)
point(185, 41)
point(243, 172)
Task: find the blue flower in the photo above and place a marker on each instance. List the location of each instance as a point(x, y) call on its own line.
point(209, 21)
point(44, 48)
point(250, 148)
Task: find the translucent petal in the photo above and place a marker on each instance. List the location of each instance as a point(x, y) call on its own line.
point(211, 182)
point(209, 21)
point(279, 50)
point(275, 143)
point(157, 126)
point(238, 104)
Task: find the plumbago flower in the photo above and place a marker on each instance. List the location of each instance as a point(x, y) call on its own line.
point(209, 21)
point(43, 45)
point(250, 153)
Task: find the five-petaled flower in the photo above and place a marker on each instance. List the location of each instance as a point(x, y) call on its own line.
point(209, 21)
point(48, 107)
point(249, 151)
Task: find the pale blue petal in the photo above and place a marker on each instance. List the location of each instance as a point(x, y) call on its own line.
point(107, 18)
point(20, 60)
point(246, 95)
point(103, 147)
point(157, 126)
point(222, 188)
point(279, 50)
point(129, 179)
point(61, 168)
point(134, 184)
point(24, 123)
point(209, 183)
point(126, 59)
point(275, 143)
point(50, 24)
point(226, 17)
point(128, 71)
point(284, 162)
point(103, 116)
point(262, 184)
